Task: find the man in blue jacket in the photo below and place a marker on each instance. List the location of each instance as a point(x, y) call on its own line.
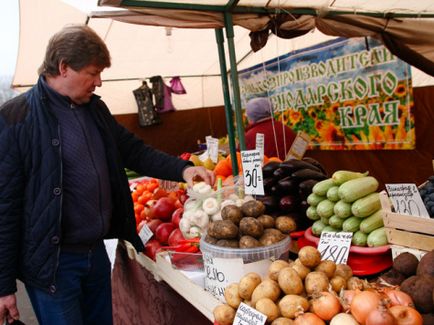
point(63, 188)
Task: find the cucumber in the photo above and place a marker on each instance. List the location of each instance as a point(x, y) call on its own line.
point(377, 237)
point(366, 205)
point(351, 224)
point(359, 239)
point(325, 208)
point(332, 193)
point(374, 221)
point(357, 188)
point(313, 199)
point(342, 176)
point(342, 209)
point(322, 187)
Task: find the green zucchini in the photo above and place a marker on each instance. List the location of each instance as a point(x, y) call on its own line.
point(325, 208)
point(332, 193)
point(351, 224)
point(342, 176)
point(330, 229)
point(374, 221)
point(342, 209)
point(366, 205)
point(325, 221)
point(313, 199)
point(377, 237)
point(336, 222)
point(357, 188)
point(322, 187)
point(311, 213)
point(359, 239)
point(317, 227)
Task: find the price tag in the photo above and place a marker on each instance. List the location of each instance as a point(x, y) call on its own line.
point(407, 200)
point(335, 246)
point(252, 172)
point(247, 315)
point(299, 146)
point(260, 144)
point(212, 146)
point(145, 234)
point(220, 272)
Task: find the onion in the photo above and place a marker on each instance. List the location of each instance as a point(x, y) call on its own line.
point(308, 319)
point(346, 297)
point(380, 316)
point(363, 303)
point(343, 319)
point(405, 315)
point(325, 305)
point(399, 298)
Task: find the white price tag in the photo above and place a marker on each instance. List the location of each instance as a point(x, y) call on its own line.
point(407, 200)
point(299, 146)
point(220, 272)
point(247, 315)
point(145, 234)
point(252, 172)
point(335, 246)
point(212, 146)
point(260, 144)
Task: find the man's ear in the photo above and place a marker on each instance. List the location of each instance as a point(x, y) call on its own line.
point(63, 67)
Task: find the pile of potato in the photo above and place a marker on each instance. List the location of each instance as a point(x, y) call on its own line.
point(247, 227)
point(287, 288)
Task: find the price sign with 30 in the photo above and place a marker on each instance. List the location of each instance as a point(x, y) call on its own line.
point(252, 172)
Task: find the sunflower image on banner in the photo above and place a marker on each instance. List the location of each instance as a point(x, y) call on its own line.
point(346, 94)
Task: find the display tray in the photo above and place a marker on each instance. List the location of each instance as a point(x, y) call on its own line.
point(363, 260)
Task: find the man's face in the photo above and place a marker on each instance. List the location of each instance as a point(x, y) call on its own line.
point(80, 85)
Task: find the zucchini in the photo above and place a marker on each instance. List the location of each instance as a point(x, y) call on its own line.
point(366, 205)
point(330, 229)
point(357, 188)
point(336, 222)
point(351, 224)
point(322, 187)
point(332, 193)
point(325, 208)
point(342, 209)
point(317, 227)
point(311, 213)
point(342, 176)
point(374, 221)
point(325, 221)
point(359, 239)
point(377, 237)
point(314, 199)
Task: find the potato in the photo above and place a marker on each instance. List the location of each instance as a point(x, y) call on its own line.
point(231, 243)
point(275, 267)
point(233, 213)
point(268, 308)
point(266, 289)
point(253, 208)
point(251, 226)
point(289, 305)
point(224, 314)
point(271, 236)
point(316, 282)
point(285, 224)
point(249, 242)
point(289, 281)
point(338, 283)
point(267, 221)
point(426, 264)
point(210, 240)
point(247, 284)
point(300, 269)
point(223, 229)
point(328, 267)
point(232, 296)
point(344, 271)
point(309, 256)
point(282, 321)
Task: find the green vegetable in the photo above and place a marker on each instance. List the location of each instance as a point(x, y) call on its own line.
point(322, 187)
point(317, 227)
point(313, 199)
point(342, 209)
point(325, 221)
point(351, 224)
point(325, 208)
point(366, 205)
point(311, 213)
point(341, 176)
point(332, 193)
point(377, 237)
point(372, 222)
point(357, 188)
point(359, 239)
point(330, 229)
point(336, 222)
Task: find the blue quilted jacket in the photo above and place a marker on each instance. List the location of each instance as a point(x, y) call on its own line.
point(31, 185)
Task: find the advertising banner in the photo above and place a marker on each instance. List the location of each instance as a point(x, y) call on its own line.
point(346, 94)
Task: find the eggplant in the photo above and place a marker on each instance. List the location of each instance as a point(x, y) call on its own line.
point(269, 168)
point(287, 185)
point(306, 173)
point(281, 172)
point(305, 187)
point(268, 183)
point(269, 201)
point(295, 164)
point(288, 203)
point(316, 163)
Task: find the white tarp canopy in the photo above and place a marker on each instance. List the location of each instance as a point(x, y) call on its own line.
point(141, 51)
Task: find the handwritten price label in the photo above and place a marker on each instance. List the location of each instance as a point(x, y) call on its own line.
point(145, 234)
point(252, 172)
point(247, 315)
point(335, 246)
point(407, 200)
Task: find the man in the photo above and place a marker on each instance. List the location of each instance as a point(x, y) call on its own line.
point(63, 188)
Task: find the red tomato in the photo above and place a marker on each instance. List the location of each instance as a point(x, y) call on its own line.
point(163, 208)
point(163, 231)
